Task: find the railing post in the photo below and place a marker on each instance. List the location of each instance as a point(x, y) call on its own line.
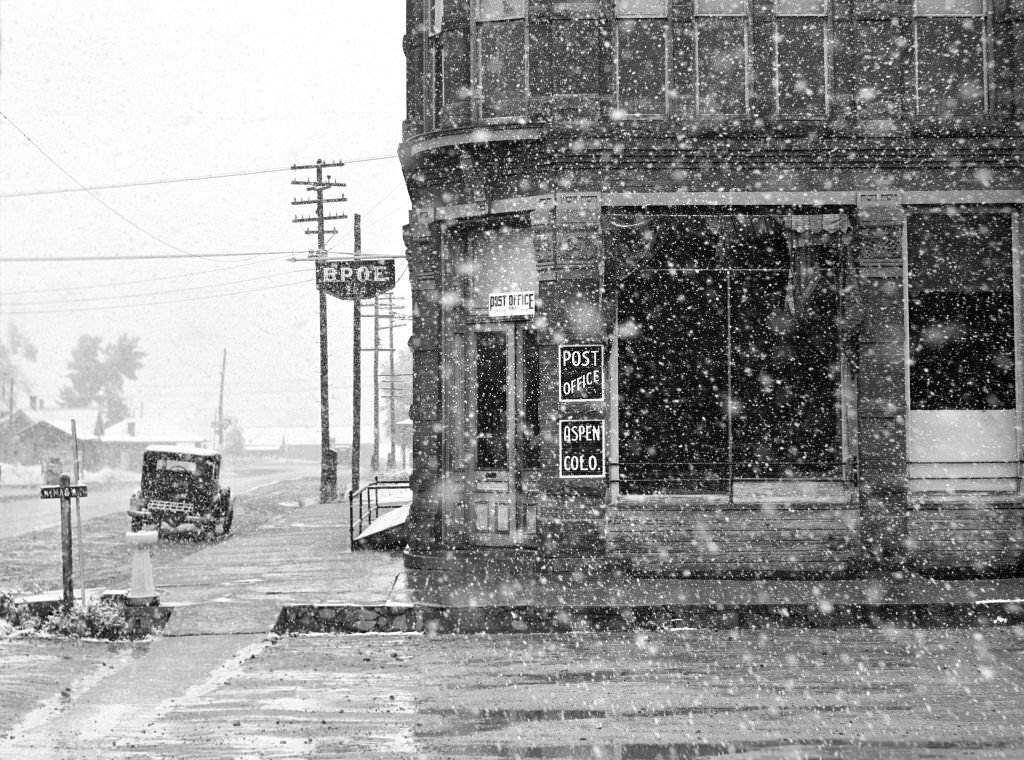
point(351, 525)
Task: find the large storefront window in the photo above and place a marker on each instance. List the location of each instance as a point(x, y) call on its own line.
point(641, 55)
point(801, 57)
point(722, 31)
point(501, 57)
point(950, 56)
point(729, 366)
point(961, 349)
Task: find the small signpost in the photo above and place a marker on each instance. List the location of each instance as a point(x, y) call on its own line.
point(580, 372)
point(65, 492)
point(581, 449)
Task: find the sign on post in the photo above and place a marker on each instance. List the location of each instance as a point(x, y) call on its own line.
point(581, 449)
point(63, 492)
point(352, 280)
point(580, 372)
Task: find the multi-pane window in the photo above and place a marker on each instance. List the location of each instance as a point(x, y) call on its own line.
point(641, 31)
point(501, 57)
point(722, 29)
point(801, 58)
point(950, 52)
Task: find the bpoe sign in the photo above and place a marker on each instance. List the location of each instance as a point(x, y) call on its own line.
point(356, 279)
point(581, 372)
point(581, 448)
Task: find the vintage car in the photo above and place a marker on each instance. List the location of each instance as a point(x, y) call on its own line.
point(181, 486)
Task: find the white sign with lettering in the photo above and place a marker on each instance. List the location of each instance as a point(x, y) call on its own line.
point(513, 304)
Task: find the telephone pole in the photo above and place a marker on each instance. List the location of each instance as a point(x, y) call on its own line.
point(357, 358)
point(328, 459)
point(220, 403)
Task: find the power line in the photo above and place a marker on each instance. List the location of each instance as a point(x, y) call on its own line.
point(148, 304)
point(148, 294)
point(143, 256)
point(122, 283)
point(91, 194)
point(172, 180)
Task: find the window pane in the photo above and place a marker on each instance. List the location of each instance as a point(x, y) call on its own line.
point(961, 312)
point(491, 401)
point(641, 64)
point(641, 8)
point(950, 65)
point(801, 50)
point(721, 7)
point(494, 10)
point(455, 54)
point(565, 57)
point(721, 66)
point(949, 7)
point(503, 68)
point(800, 7)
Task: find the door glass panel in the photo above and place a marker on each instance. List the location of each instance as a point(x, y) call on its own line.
point(492, 401)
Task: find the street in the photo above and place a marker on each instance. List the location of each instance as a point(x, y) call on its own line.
point(30, 513)
point(889, 693)
point(215, 684)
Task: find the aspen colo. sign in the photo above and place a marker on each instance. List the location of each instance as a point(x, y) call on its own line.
point(581, 448)
point(580, 372)
point(356, 279)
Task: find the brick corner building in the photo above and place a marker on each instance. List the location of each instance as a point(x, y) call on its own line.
point(716, 288)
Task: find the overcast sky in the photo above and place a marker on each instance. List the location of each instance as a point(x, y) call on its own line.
point(119, 92)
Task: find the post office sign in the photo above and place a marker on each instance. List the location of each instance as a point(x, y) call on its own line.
point(581, 449)
point(519, 303)
point(580, 372)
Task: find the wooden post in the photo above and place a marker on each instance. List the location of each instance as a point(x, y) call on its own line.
point(78, 513)
point(67, 571)
point(357, 361)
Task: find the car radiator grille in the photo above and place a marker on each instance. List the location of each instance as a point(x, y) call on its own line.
point(167, 506)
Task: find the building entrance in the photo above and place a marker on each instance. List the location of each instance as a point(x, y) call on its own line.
point(503, 417)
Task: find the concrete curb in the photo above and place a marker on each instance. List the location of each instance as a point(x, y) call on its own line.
point(392, 618)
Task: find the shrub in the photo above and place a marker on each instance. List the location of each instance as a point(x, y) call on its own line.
point(105, 620)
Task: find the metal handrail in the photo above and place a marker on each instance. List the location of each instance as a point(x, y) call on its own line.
point(368, 498)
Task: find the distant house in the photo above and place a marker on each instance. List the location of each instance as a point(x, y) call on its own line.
point(124, 442)
point(287, 442)
point(44, 437)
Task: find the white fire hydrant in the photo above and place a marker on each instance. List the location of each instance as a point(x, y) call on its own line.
point(143, 591)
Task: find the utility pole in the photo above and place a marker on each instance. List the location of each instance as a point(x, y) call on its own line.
point(220, 403)
point(357, 358)
point(375, 459)
point(328, 459)
point(391, 376)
